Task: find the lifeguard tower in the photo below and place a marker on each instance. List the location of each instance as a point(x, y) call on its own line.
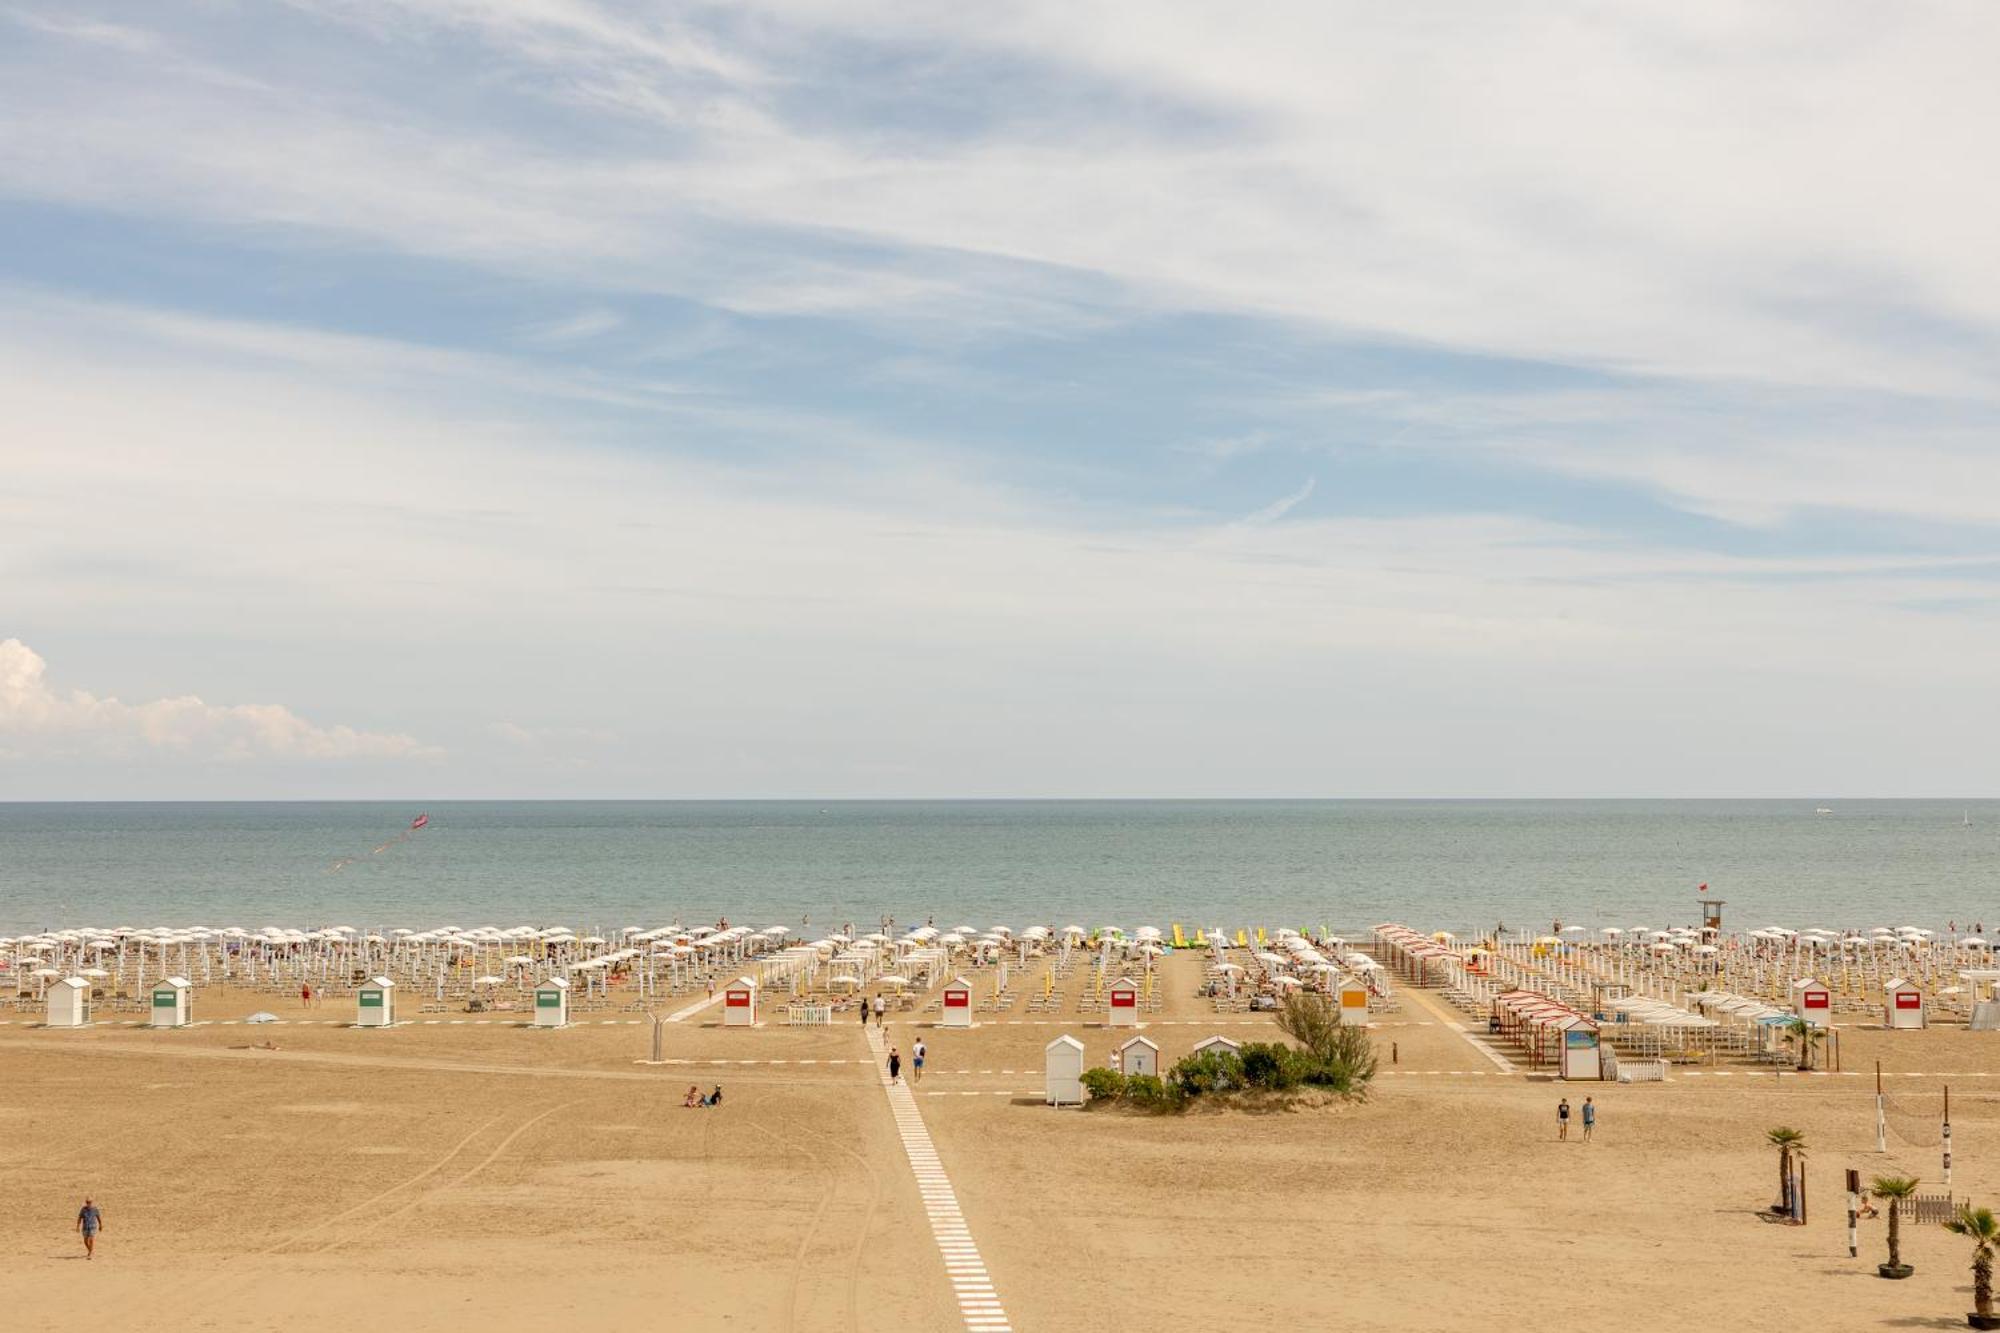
point(1711, 913)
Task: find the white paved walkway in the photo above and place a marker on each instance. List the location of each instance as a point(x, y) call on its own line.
point(977, 1301)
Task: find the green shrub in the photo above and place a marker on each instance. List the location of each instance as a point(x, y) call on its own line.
point(1106, 1085)
point(1209, 1071)
point(1337, 1057)
point(1149, 1091)
point(1260, 1064)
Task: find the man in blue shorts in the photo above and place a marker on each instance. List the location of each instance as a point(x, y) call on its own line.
point(89, 1222)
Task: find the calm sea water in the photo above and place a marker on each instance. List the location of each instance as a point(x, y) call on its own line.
point(1351, 863)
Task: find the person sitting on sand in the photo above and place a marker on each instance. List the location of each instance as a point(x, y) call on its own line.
point(694, 1096)
point(713, 1098)
point(1866, 1209)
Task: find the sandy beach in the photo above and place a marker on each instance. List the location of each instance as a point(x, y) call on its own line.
point(464, 1169)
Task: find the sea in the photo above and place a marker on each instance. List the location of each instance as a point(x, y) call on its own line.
point(1455, 865)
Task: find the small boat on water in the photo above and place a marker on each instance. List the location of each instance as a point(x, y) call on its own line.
point(1823, 810)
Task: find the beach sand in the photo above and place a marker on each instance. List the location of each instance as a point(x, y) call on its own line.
point(450, 1174)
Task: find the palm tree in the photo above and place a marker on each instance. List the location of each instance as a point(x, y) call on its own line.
point(1787, 1141)
point(1983, 1230)
point(1895, 1189)
point(1804, 1034)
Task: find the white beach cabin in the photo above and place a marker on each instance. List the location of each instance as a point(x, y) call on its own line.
point(1813, 1002)
point(739, 1004)
point(1902, 1004)
point(1216, 1044)
point(1124, 1004)
point(375, 1003)
point(1063, 1072)
point(1353, 1004)
point(552, 1003)
point(1984, 984)
point(957, 1003)
point(173, 1003)
point(69, 1003)
point(1582, 1054)
point(1137, 1056)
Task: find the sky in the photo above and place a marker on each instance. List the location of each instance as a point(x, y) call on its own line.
point(585, 398)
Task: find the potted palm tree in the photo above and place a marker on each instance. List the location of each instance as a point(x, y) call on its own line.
point(1979, 1226)
point(1805, 1035)
point(1895, 1189)
point(1788, 1142)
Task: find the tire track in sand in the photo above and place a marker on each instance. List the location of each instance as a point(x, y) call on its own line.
point(811, 1229)
point(231, 1273)
point(477, 1167)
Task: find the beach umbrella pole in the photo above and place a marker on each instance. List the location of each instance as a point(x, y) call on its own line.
point(1881, 1113)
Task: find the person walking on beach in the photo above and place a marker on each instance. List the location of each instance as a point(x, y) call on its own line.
point(917, 1054)
point(880, 1007)
point(895, 1066)
point(1562, 1121)
point(864, 1011)
point(306, 994)
point(89, 1221)
point(1589, 1118)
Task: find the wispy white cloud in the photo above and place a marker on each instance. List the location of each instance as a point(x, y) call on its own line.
point(585, 324)
point(37, 718)
point(1280, 507)
point(816, 624)
point(1683, 191)
point(1687, 204)
point(120, 36)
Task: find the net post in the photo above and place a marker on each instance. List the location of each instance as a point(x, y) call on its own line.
point(1947, 1135)
point(1881, 1113)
